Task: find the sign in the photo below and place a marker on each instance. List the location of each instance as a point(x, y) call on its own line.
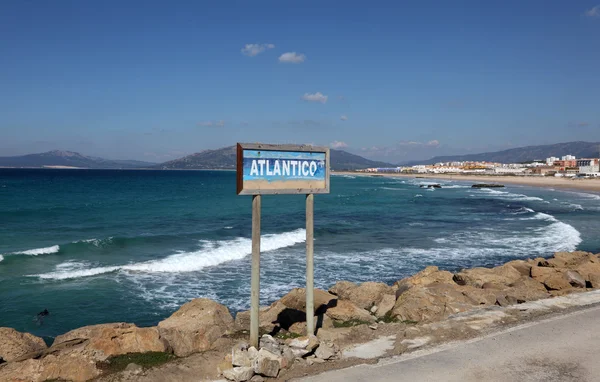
point(282, 169)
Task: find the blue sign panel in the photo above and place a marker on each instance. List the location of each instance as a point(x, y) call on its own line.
point(270, 170)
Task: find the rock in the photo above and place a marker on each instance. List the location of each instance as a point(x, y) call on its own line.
point(385, 305)
point(302, 346)
point(225, 364)
point(373, 327)
point(429, 275)
point(317, 360)
point(196, 326)
point(321, 321)
point(552, 278)
point(252, 352)
point(484, 296)
point(267, 364)
point(368, 294)
point(326, 351)
point(589, 270)
point(477, 277)
point(347, 311)
point(522, 266)
point(288, 358)
point(134, 368)
point(373, 309)
point(257, 378)
point(268, 317)
point(105, 340)
point(526, 289)
point(502, 300)
point(335, 335)
point(296, 299)
point(594, 280)
point(431, 303)
point(239, 374)
point(241, 358)
point(269, 343)
point(341, 289)
point(575, 279)
point(15, 345)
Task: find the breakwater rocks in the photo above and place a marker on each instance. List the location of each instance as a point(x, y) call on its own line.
point(486, 185)
point(204, 326)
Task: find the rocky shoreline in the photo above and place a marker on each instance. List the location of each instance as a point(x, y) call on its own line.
point(345, 314)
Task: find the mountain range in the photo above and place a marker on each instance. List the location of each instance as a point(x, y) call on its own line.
point(225, 158)
point(522, 154)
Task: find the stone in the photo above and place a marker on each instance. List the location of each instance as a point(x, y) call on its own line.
point(594, 280)
point(288, 358)
point(334, 335)
point(385, 305)
point(196, 326)
point(134, 368)
point(268, 317)
point(485, 296)
point(429, 275)
point(241, 358)
point(502, 300)
point(302, 346)
point(15, 345)
point(589, 270)
point(326, 351)
point(321, 321)
point(239, 374)
point(252, 352)
point(526, 289)
point(522, 266)
point(269, 343)
point(257, 378)
point(373, 309)
point(267, 364)
point(225, 364)
point(477, 277)
point(341, 289)
point(296, 299)
point(347, 311)
point(368, 294)
point(431, 303)
point(105, 340)
point(552, 278)
point(575, 279)
point(373, 327)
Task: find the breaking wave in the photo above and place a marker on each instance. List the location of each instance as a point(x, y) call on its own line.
point(212, 253)
point(37, 251)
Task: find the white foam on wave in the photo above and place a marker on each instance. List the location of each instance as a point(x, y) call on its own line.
point(585, 195)
point(211, 254)
point(38, 251)
point(510, 196)
point(1, 257)
point(394, 189)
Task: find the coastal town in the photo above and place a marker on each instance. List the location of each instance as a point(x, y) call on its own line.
point(565, 166)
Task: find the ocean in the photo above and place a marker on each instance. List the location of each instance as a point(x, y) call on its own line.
point(95, 246)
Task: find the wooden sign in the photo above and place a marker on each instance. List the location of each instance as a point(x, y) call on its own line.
point(282, 169)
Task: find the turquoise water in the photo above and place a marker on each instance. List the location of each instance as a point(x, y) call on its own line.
point(105, 246)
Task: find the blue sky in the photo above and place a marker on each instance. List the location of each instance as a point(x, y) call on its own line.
point(392, 80)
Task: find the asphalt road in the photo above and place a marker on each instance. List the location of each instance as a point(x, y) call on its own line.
point(563, 348)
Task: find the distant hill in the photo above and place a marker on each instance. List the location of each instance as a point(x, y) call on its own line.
point(225, 158)
point(522, 154)
point(70, 159)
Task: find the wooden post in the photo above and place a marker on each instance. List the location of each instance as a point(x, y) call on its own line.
point(255, 278)
point(310, 303)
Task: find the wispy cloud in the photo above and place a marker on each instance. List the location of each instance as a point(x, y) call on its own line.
point(219, 123)
point(338, 145)
point(316, 97)
point(593, 12)
point(292, 58)
point(344, 118)
point(252, 50)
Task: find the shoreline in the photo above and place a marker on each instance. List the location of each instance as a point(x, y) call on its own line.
point(543, 182)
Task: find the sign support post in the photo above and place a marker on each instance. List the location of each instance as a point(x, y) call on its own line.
point(281, 169)
point(310, 302)
point(255, 277)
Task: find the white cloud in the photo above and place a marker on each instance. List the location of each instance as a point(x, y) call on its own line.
point(316, 97)
point(338, 145)
point(594, 12)
point(344, 118)
point(255, 49)
point(435, 143)
point(292, 58)
point(219, 123)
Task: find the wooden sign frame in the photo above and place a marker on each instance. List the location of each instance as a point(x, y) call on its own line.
point(280, 187)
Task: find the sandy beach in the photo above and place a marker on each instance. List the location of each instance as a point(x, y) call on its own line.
point(543, 181)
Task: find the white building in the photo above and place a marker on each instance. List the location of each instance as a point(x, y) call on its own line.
point(588, 166)
point(550, 161)
point(569, 157)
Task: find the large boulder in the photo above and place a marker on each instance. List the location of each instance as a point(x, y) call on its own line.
point(196, 326)
point(105, 340)
point(431, 303)
point(429, 275)
point(347, 311)
point(296, 299)
point(590, 271)
point(552, 278)
point(15, 345)
point(526, 289)
point(385, 305)
point(477, 277)
point(522, 266)
point(368, 294)
point(341, 289)
point(269, 317)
